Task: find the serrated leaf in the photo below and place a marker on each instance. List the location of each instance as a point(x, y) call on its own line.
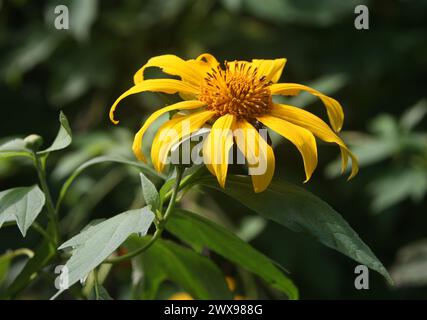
point(22, 205)
point(93, 245)
point(196, 274)
point(200, 232)
point(301, 211)
point(396, 185)
point(149, 191)
point(63, 138)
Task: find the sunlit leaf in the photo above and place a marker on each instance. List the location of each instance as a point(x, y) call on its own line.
point(93, 245)
point(22, 205)
point(63, 138)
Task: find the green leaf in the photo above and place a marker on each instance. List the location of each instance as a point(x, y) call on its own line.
point(83, 14)
point(63, 138)
point(200, 232)
point(149, 191)
point(22, 205)
point(196, 274)
point(397, 185)
point(414, 115)
point(301, 211)
point(15, 148)
point(93, 245)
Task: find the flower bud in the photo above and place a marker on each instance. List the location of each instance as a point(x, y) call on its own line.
point(33, 142)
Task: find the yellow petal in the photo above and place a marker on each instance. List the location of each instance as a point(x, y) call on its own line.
point(217, 147)
point(169, 86)
point(257, 152)
point(172, 65)
point(318, 127)
point(300, 137)
point(183, 105)
point(271, 69)
point(210, 59)
point(333, 107)
point(171, 133)
point(180, 296)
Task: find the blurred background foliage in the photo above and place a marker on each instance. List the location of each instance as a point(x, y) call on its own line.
point(379, 76)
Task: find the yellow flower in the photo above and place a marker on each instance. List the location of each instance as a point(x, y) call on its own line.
point(180, 296)
point(236, 96)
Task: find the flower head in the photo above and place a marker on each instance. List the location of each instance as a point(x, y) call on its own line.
point(235, 98)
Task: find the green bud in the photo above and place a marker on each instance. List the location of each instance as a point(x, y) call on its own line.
point(33, 142)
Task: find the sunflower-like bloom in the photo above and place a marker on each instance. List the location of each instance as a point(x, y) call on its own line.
point(236, 96)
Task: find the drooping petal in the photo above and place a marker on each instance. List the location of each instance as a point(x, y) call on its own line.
point(319, 128)
point(210, 59)
point(333, 107)
point(302, 138)
point(217, 147)
point(169, 86)
point(271, 69)
point(172, 65)
point(258, 153)
point(183, 105)
point(171, 133)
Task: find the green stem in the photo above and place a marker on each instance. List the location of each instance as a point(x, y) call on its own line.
point(42, 232)
point(96, 284)
point(160, 226)
point(53, 218)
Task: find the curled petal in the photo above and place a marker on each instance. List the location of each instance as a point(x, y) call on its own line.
point(172, 65)
point(183, 105)
point(319, 128)
point(333, 107)
point(169, 86)
point(208, 59)
point(271, 69)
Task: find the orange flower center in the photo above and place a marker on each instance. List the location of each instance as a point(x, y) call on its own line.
point(237, 90)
